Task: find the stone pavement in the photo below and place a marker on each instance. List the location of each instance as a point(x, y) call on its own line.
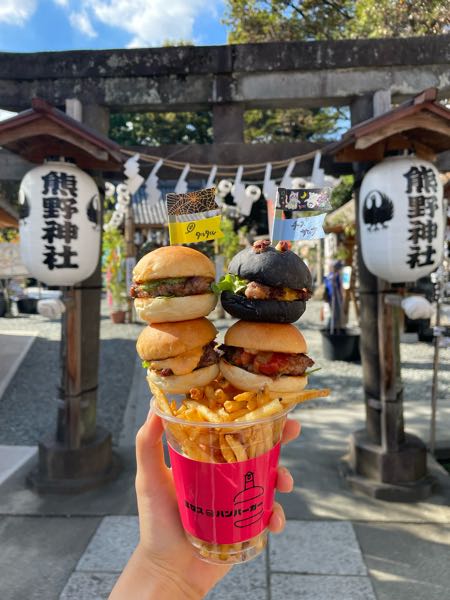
point(337, 545)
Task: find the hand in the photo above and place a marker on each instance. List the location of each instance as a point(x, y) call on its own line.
point(164, 556)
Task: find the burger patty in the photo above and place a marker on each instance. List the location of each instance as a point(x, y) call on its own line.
point(208, 358)
point(273, 364)
point(177, 286)
point(258, 291)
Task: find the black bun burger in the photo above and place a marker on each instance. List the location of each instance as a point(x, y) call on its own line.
point(258, 355)
point(266, 284)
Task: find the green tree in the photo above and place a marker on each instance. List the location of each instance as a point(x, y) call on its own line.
point(284, 125)
point(398, 18)
point(286, 20)
point(251, 21)
point(292, 20)
point(155, 129)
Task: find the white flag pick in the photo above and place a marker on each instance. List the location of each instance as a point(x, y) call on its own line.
point(269, 185)
point(286, 182)
point(151, 185)
point(182, 186)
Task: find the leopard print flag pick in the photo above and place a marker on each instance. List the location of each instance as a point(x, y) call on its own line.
point(193, 217)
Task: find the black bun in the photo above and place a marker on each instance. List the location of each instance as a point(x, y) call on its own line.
point(272, 267)
point(270, 311)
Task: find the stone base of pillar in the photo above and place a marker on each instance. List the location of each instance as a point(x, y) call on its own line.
point(399, 476)
point(62, 470)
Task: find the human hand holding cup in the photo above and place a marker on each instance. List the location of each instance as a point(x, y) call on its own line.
point(225, 469)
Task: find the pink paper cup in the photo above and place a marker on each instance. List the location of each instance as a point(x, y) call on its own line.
point(225, 476)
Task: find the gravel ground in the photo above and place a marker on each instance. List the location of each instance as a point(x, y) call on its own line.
point(27, 409)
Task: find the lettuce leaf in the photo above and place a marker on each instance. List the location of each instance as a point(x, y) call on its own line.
point(230, 283)
point(312, 371)
point(145, 364)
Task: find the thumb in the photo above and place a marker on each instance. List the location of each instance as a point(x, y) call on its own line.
point(151, 468)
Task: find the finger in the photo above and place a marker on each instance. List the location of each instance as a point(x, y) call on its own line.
point(285, 481)
point(291, 431)
point(277, 519)
point(151, 468)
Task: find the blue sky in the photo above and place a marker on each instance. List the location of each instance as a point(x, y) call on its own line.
point(43, 25)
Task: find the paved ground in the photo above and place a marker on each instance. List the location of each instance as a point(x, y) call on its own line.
point(337, 545)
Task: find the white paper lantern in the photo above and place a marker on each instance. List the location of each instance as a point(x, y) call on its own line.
point(59, 210)
point(401, 219)
point(224, 188)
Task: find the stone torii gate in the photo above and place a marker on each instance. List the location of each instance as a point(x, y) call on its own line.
point(362, 74)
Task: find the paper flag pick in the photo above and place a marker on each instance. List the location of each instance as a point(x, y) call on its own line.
point(303, 228)
point(182, 186)
point(193, 217)
point(304, 199)
point(300, 227)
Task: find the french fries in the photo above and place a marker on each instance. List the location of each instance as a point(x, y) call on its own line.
point(200, 437)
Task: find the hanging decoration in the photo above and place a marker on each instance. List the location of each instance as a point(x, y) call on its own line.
point(59, 209)
point(252, 195)
point(224, 188)
point(151, 185)
point(318, 174)
point(120, 208)
point(211, 177)
point(305, 227)
point(401, 219)
point(181, 186)
point(133, 179)
point(269, 185)
point(193, 217)
point(286, 181)
point(238, 191)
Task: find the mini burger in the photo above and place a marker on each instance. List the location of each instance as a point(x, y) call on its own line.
point(256, 355)
point(266, 284)
point(173, 283)
point(179, 356)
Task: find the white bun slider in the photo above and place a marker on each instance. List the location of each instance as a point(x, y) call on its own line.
point(252, 382)
point(163, 309)
point(180, 384)
point(264, 337)
point(173, 261)
point(179, 347)
point(170, 262)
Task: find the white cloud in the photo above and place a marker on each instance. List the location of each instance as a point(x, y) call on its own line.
point(82, 22)
point(150, 22)
point(61, 2)
point(15, 12)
